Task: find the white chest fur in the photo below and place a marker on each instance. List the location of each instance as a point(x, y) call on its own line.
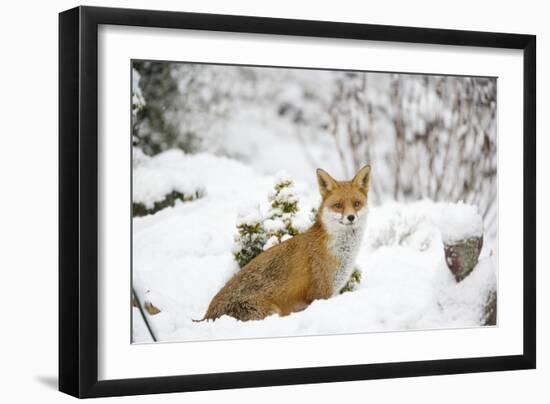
point(344, 243)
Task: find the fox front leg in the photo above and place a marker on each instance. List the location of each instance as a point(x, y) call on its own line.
point(322, 278)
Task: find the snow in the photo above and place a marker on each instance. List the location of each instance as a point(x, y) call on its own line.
point(184, 254)
point(249, 215)
point(274, 225)
point(455, 221)
point(155, 177)
point(272, 241)
point(458, 221)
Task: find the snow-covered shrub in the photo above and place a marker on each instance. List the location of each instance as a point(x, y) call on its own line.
point(412, 224)
point(138, 107)
point(257, 231)
point(251, 236)
point(186, 104)
point(354, 281)
point(160, 181)
point(402, 227)
point(153, 131)
point(441, 128)
point(279, 224)
point(140, 209)
point(138, 102)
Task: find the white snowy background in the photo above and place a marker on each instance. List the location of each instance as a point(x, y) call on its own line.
point(225, 133)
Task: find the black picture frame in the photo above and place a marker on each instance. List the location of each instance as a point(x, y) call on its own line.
point(78, 200)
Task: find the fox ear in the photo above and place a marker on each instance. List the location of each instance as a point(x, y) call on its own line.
point(362, 179)
point(327, 184)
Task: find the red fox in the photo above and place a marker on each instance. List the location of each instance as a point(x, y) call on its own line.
point(312, 265)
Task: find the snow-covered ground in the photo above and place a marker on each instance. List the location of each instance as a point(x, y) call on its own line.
point(183, 255)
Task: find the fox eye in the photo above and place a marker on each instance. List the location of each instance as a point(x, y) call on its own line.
point(356, 204)
point(338, 205)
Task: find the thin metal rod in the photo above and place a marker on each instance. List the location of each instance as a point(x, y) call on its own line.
point(143, 315)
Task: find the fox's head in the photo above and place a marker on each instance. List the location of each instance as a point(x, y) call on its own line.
point(344, 202)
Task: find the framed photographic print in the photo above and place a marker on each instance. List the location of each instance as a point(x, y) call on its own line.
point(250, 201)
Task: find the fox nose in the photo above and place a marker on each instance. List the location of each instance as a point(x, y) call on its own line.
point(351, 218)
